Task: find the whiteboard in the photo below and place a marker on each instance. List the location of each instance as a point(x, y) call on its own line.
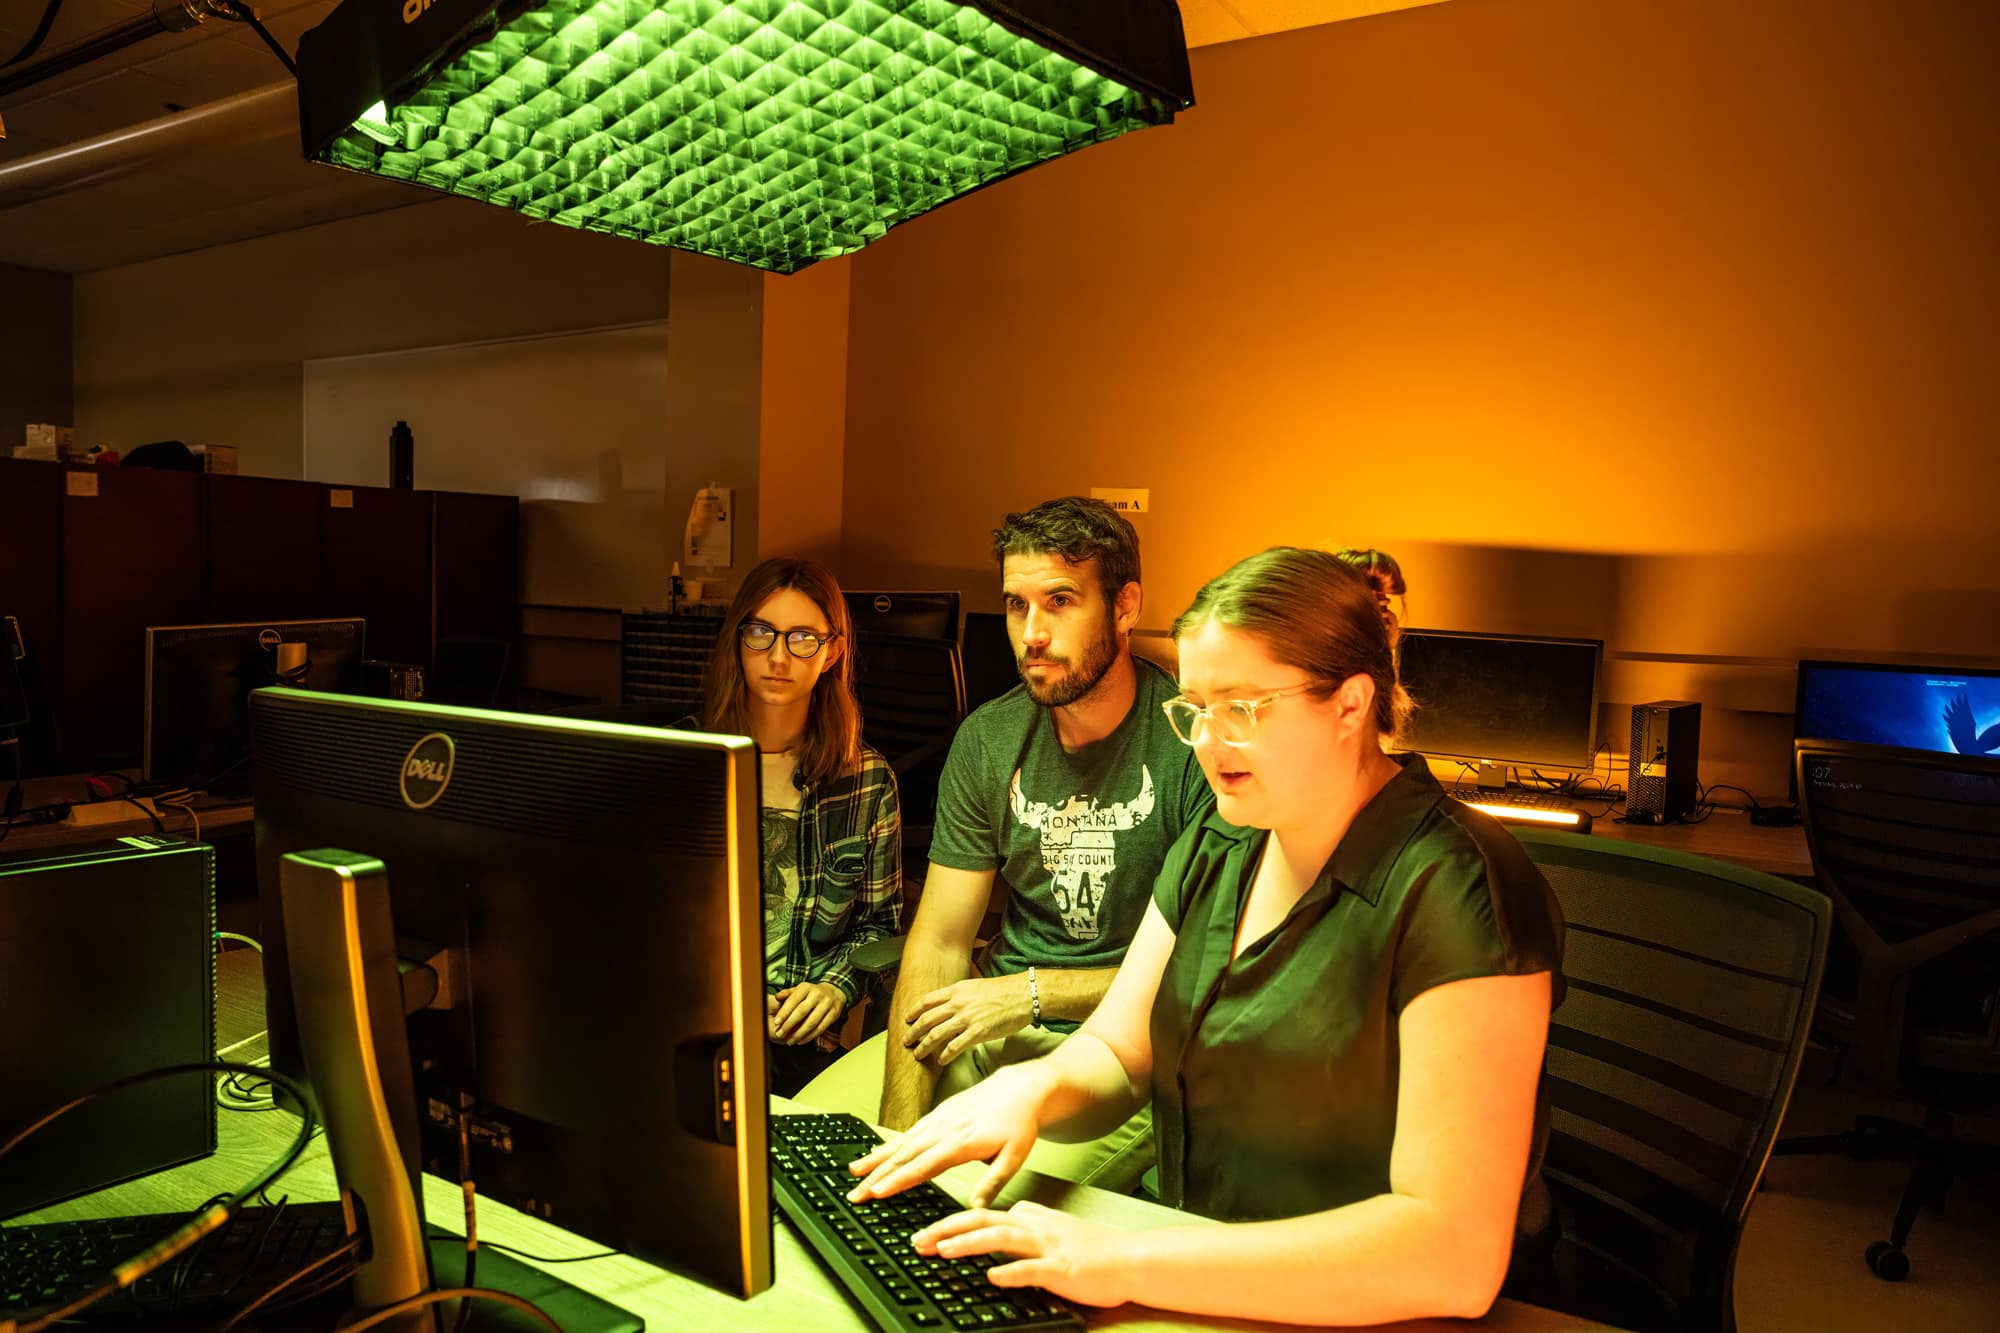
point(574, 424)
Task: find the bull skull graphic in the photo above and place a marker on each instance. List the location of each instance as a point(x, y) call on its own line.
point(1078, 847)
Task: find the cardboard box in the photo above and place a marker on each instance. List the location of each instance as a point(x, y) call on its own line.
point(216, 458)
point(60, 439)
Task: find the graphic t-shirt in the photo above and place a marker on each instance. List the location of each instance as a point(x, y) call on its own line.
point(781, 862)
point(1079, 837)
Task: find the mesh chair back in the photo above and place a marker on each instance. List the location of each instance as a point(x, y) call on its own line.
point(912, 696)
point(1907, 844)
point(1690, 995)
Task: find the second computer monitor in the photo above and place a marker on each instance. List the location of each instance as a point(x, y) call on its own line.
point(916, 615)
point(587, 895)
point(198, 683)
point(1501, 700)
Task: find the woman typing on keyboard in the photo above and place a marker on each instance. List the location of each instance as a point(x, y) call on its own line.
point(1338, 1003)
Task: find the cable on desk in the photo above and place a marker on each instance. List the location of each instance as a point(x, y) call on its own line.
point(418, 1302)
point(240, 939)
point(202, 1223)
point(271, 1295)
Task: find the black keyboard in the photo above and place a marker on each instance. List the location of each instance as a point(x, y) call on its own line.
point(868, 1246)
point(46, 1265)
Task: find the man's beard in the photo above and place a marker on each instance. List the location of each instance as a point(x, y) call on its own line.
point(1084, 672)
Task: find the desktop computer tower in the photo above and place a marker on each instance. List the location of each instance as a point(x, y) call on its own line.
point(1660, 787)
point(107, 969)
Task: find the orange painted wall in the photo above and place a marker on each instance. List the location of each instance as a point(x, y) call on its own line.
point(1671, 323)
point(803, 412)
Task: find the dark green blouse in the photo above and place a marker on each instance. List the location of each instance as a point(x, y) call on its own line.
point(1274, 1075)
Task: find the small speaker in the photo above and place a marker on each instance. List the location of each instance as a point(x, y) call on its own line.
point(1660, 787)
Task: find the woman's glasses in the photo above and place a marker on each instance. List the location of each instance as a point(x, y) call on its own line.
point(758, 638)
point(1231, 721)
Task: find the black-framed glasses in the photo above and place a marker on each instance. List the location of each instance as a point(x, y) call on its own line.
point(758, 638)
point(1233, 721)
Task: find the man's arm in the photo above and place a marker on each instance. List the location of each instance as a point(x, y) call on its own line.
point(937, 953)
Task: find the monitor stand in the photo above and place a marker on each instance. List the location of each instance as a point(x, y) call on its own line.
point(348, 998)
point(1493, 777)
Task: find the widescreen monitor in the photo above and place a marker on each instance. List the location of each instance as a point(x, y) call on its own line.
point(198, 684)
point(917, 615)
point(1499, 700)
point(589, 895)
point(1953, 710)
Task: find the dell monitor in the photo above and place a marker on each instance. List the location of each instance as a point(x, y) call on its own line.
point(914, 615)
point(587, 897)
point(1498, 701)
point(198, 684)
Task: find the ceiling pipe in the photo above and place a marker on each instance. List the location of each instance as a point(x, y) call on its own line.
point(261, 113)
point(166, 16)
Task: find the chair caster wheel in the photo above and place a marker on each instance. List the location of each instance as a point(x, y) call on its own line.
point(1887, 1262)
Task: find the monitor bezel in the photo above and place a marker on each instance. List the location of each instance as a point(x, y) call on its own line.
point(146, 758)
point(1596, 697)
point(742, 873)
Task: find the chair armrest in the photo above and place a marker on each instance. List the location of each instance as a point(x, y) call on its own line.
point(878, 956)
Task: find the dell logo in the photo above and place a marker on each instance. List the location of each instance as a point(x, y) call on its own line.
point(882, 603)
point(414, 9)
point(268, 640)
point(427, 770)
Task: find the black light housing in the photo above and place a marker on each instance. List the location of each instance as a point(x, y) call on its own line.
point(770, 132)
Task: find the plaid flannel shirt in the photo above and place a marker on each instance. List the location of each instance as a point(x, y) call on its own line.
point(850, 875)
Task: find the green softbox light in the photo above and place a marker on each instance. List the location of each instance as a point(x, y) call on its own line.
point(769, 132)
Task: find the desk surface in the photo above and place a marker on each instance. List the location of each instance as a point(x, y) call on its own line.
point(214, 814)
point(1726, 835)
point(803, 1296)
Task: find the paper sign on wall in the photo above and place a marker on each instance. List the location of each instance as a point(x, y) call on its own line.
point(1124, 499)
point(708, 528)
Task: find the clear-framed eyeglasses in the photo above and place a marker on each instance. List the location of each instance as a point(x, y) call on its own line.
point(1231, 721)
point(758, 638)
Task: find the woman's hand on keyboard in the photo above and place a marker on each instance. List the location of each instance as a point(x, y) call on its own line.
point(995, 1120)
point(1077, 1260)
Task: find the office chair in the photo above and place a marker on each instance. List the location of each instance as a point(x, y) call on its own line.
point(912, 696)
point(1906, 843)
point(1670, 1063)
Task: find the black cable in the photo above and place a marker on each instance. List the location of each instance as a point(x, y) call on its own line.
point(272, 1293)
point(39, 36)
point(147, 810)
point(204, 1221)
point(546, 1259)
point(429, 1298)
point(243, 15)
point(1726, 786)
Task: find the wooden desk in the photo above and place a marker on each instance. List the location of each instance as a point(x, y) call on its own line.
point(804, 1299)
point(216, 816)
point(1726, 835)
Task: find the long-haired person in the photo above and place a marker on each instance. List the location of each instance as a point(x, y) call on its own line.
point(781, 674)
point(1337, 1003)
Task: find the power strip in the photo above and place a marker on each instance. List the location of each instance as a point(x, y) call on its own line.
point(94, 813)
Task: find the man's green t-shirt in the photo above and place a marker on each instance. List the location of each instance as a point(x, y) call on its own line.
point(1078, 837)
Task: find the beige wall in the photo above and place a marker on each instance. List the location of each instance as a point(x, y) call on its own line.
point(208, 346)
point(34, 352)
point(1665, 322)
point(714, 390)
